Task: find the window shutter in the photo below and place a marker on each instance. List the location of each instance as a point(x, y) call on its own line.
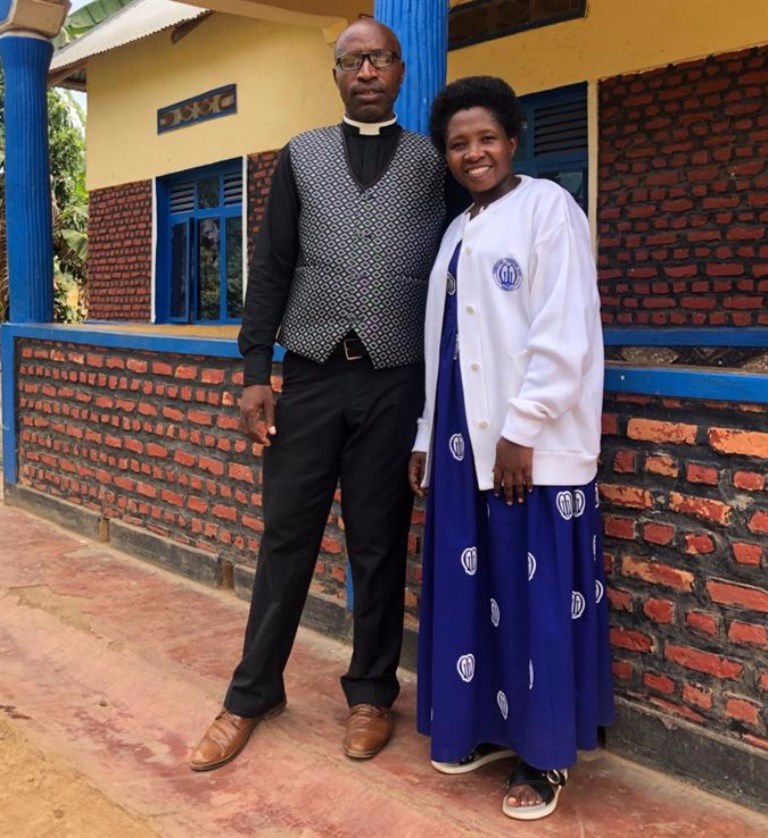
point(233, 189)
point(560, 128)
point(182, 196)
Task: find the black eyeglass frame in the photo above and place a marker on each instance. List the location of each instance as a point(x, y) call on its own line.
point(389, 55)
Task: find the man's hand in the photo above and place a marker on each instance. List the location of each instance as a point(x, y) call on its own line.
point(416, 472)
point(257, 413)
point(512, 471)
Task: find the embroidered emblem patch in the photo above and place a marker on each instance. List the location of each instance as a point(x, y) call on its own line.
point(508, 274)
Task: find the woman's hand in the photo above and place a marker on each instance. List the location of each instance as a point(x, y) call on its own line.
point(416, 473)
point(512, 471)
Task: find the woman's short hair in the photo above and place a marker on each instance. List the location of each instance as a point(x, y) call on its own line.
point(488, 92)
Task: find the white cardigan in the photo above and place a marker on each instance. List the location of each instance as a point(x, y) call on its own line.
point(530, 340)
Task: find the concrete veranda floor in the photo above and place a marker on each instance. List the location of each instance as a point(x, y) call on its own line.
point(115, 667)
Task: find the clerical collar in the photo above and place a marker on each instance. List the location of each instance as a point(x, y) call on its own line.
point(370, 128)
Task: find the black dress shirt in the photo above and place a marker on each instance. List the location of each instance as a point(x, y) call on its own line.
point(277, 244)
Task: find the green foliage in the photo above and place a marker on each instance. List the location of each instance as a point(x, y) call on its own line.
point(69, 201)
point(83, 20)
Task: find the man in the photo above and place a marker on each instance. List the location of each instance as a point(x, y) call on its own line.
point(353, 223)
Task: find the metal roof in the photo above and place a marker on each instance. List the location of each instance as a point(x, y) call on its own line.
point(136, 21)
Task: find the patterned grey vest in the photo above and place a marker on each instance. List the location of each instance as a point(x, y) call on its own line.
point(364, 254)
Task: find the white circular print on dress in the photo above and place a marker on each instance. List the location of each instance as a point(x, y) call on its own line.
point(501, 700)
point(495, 612)
point(579, 503)
point(594, 548)
point(564, 503)
point(530, 674)
point(469, 560)
point(531, 566)
point(465, 666)
point(578, 604)
point(456, 444)
point(598, 591)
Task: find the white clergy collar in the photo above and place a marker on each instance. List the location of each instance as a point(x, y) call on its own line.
point(369, 128)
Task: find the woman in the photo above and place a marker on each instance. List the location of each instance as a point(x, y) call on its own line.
point(514, 653)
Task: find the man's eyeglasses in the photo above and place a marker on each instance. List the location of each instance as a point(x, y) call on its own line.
point(380, 59)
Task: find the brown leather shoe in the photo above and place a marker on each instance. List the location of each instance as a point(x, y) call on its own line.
point(227, 735)
point(369, 728)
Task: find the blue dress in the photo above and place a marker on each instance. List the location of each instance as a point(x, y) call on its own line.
point(513, 639)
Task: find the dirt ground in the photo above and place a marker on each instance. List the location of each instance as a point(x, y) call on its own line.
point(44, 797)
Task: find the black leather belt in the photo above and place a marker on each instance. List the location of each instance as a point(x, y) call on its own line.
point(351, 349)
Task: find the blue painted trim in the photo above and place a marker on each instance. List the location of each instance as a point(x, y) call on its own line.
point(197, 120)
point(144, 341)
point(8, 349)
point(712, 336)
point(687, 383)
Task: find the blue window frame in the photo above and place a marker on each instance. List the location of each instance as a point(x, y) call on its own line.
point(199, 277)
point(553, 143)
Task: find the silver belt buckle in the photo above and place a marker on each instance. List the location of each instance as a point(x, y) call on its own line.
point(348, 354)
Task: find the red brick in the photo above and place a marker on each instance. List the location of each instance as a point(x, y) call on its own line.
point(658, 533)
point(752, 633)
point(697, 544)
point(212, 376)
point(659, 610)
point(236, 471)
point(619, 527)
point(660, 683)
point(657, 573)
point(199, 417)
point(610, 424)
point(624, 462)
point(174, 498)
point(759, 521)
point(700, 697)
point(706, 623)
point(745, 596)
point(751, 481)
point(661, 464)
point(745, 553)
point(619, 600)
point(184, 458)
point(197, 504)
point(634, 641)
point(696, 473)
point(708, 510)
point(331, 545)
point(748, 443)
point(252, 523)
point(161, 368)
point(157, 451)
point(227, 513)
point(628, 496)
point(695, 659)
point(652, 430)
point(211, 465)
point(743, 710)
point(186, 372)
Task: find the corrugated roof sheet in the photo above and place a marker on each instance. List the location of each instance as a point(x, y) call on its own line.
point(134, 22)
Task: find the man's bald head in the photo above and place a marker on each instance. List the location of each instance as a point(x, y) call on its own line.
point(369, 93)
point(366, 26)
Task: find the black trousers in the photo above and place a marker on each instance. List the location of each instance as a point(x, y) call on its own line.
point(339, 421)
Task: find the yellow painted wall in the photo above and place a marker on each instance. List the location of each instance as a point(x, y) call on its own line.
point(616, 37)
point(284, 85)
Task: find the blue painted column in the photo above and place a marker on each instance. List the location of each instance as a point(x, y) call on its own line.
point(26, 58)
point(422, 27)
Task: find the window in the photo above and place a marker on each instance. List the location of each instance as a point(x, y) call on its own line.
point(553, 143)
point(200, 246)
point(473, 21)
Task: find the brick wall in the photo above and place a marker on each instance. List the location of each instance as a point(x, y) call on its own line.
point(261, 167)
point(154, 440)
point(683, 194)
point(683, 487)
point(119, 265)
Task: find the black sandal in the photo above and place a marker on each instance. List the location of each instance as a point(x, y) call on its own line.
point(479, 756)
point(548, 784)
